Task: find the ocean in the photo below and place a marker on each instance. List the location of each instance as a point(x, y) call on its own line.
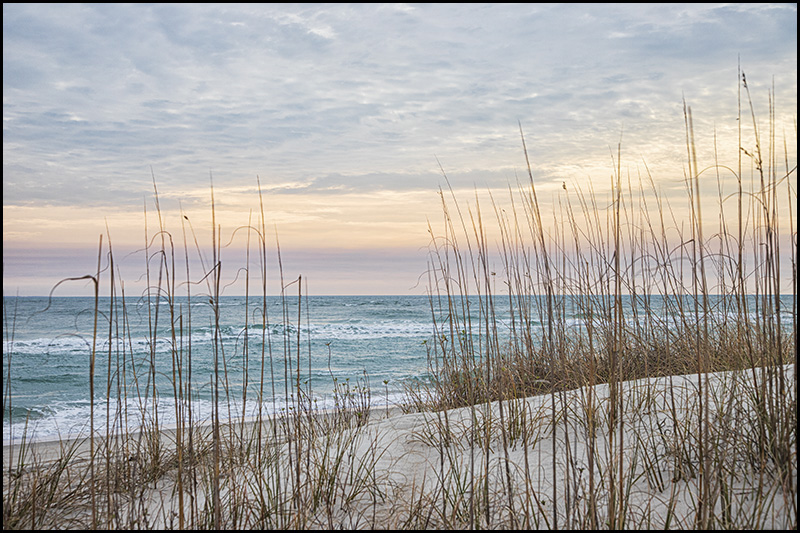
point(356, 342)
point(373, 346)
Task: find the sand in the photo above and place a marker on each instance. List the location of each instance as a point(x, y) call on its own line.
point(531, 459)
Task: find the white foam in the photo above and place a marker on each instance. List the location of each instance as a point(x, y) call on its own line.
point(71, 419)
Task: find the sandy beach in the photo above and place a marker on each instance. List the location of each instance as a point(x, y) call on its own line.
point(400, 266)
point(541, 462)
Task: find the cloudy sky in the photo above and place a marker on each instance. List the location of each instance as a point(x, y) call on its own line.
point(344, 113)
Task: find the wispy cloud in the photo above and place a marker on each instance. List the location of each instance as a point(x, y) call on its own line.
point(350, 99)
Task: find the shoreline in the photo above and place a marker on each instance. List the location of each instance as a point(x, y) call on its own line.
point(394, 399)
point(49, 445)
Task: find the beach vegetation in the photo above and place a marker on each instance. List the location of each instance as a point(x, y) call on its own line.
point(670, 403)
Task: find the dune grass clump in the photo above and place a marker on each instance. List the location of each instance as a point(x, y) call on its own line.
point(202, 472)
point(600, 298)
point(612, 369)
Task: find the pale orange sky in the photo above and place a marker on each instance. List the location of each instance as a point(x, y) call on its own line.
point(345, 113)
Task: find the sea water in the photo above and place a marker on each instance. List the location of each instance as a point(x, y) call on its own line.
point(147, 359)
point(192, 348)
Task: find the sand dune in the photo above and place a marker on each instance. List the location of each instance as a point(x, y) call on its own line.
point(530, 459)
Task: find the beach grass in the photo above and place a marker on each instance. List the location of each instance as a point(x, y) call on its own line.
point(671, 403)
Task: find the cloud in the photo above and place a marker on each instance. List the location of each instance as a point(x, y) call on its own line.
point(341, 99)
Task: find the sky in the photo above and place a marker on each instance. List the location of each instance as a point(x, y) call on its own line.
point(347, 116)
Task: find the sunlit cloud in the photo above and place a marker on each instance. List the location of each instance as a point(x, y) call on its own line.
point(346, 112)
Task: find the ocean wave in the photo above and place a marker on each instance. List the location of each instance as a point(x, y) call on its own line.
point(71, 419)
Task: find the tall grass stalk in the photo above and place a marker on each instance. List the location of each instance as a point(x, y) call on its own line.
point(639, 318)
point(623, 366)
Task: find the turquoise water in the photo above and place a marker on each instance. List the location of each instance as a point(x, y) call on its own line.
point(379, 342)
